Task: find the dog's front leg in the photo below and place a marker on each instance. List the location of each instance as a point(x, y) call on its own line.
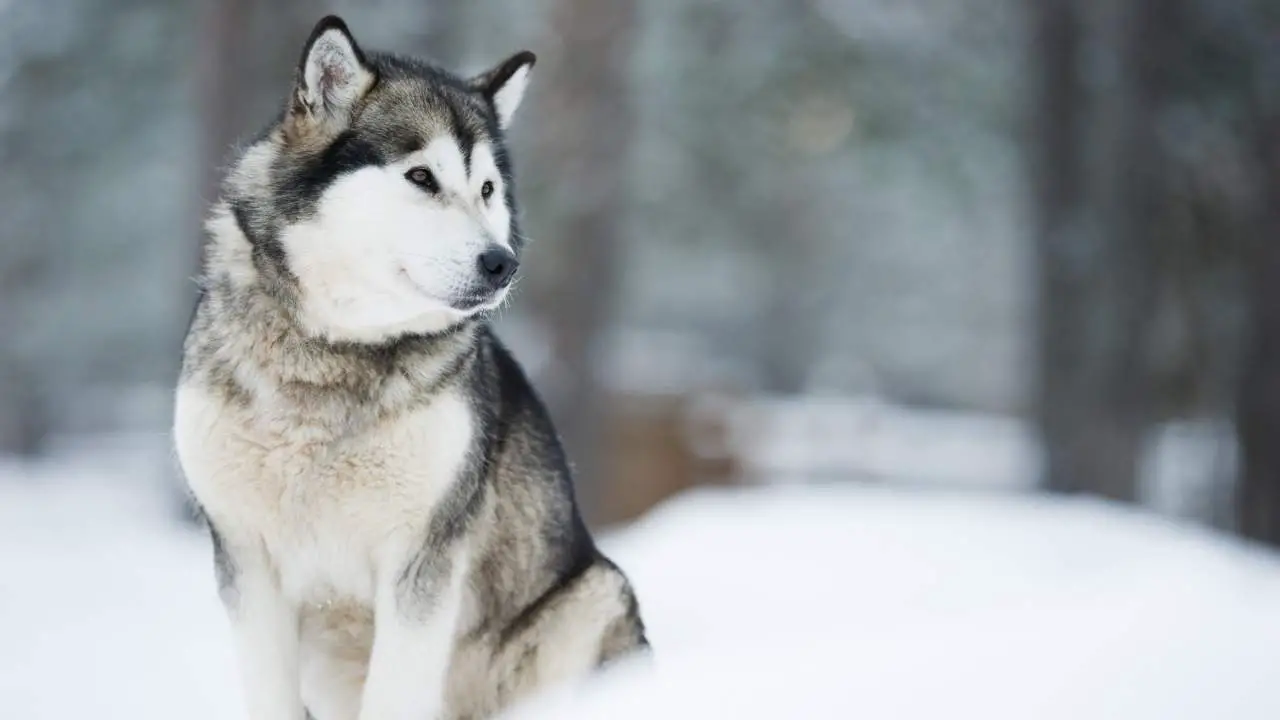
point(264, 628)
point(415, 618)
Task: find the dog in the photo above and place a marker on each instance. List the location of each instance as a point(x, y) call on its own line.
point(394, 528)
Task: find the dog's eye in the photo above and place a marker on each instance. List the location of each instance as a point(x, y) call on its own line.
point(424, 179)
point(486, 190)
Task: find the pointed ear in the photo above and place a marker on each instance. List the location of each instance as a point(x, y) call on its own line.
point(332, 75)
point(504, 85)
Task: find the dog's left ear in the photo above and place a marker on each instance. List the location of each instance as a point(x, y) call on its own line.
point(504, 85)
point(332, 75)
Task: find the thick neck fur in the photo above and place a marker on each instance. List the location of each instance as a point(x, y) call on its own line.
point(245, 341)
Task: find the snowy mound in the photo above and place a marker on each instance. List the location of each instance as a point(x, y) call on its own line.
point(851, 603)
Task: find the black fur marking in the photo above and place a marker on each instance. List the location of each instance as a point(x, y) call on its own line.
point(493, 81)
point(421, 580)
point(520, 404)
point(224, 566)
point(502, 159)
point(267, 248)
point(465, 136)
point(298, 187)
point(565, 581)
point(184, 371)
point(408, 144)
point(627, 630)
point(571, 550)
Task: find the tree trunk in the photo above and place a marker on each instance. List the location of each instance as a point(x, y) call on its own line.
point(24, 426)
point(1094, 163)
point(220, 94)
point(586, 151)
point(1258, 406)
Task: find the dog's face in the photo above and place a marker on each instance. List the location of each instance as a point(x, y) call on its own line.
point(394, 187)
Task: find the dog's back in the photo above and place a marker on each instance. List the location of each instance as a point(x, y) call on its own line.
point(546, 605)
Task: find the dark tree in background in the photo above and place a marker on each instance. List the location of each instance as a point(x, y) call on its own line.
point(1156, 156)
point(1258, 410)
point(1258, 497)
point(584, 90)
point(1095, 163)
point(220, 94)
point(220, 88)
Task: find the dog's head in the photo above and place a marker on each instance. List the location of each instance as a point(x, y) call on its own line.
point(382, 199)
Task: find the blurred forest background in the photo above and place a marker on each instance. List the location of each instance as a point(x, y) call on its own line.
point(960, 243)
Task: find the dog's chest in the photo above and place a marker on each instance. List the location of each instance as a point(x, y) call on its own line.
point(327, 509)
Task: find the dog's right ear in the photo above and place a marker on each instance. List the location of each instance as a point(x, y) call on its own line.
point(331, 78)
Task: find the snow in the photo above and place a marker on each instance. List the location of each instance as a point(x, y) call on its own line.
point(1185, 466)
point(778, 437)
point(843, 602)
point(107, 608)
point(832, 601)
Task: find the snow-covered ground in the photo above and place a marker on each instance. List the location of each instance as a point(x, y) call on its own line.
point(773, 602)
point(846, 602)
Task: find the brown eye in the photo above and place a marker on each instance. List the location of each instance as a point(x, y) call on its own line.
point(486, 190)
point(423, 178)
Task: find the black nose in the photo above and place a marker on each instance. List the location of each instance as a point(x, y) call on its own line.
point(497, 266)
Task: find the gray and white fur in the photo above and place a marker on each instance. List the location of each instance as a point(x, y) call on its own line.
point(393, 520)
